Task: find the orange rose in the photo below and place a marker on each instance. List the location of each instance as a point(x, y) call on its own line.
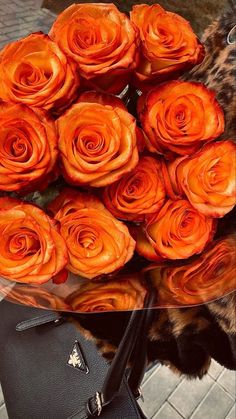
point(137, 193)
point(180, 117)
point(178, 230)
point(101, 40)
point(210, 276)
point(35, 72)
point(168, 45)
point(97, 243)
point(124, 293)
point(101, 144)
point(28, 146)
point(208, 178)
point(31, 248)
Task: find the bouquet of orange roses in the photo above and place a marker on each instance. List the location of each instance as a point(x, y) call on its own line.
point(104, 151)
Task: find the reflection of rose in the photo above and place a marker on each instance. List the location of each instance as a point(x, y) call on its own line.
point(101, 144)
point(124, 293)
point(33, 296)
point(168, 45)
point(178, 230)
point(35, 72)
point(97, 242)
point(138, 193)
point(101, 40)
point(31, 248)
point(208, 178)
point(180, 117)
point(28, 146)
point(210, 276)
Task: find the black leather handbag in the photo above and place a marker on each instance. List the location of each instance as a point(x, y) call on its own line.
point(48, 370)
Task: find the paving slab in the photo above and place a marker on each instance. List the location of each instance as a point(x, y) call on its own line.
point(3, 412)
point(215, 369)
point(227, 380)
point(189, 394)
point(150, 372)
point(216, 404)
point(1, 397)
point(232, 413)
point(167, 412)
point(157, 389)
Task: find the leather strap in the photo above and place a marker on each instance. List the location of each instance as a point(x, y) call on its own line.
point(118, 366)
point(50, 317)
point(140, 356)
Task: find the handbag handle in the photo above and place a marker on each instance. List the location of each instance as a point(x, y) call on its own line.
point(118, 366)
point(140, 356)
point(134, 341)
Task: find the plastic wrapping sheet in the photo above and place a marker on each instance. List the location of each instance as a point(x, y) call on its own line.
point(197, 281)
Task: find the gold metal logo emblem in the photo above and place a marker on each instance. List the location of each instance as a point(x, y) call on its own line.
point(76, 359)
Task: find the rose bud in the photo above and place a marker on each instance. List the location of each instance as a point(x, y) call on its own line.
point(178, 230)
point(101, 40)
point(137, 193)
point(101, 144)
point(97, 243)
point(125, 292)
point(35, 72)
point(28, 147)
point(179, 117)
point(32, 250)
point(168, 45)
point(208, 178)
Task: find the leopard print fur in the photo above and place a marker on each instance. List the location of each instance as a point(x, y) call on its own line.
point(218, 69)
point(184, 339)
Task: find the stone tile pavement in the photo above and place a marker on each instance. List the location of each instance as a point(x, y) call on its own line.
point(166, 396)
point(18, 18)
